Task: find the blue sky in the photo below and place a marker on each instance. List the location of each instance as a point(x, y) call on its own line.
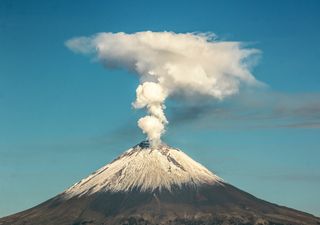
point(63, 116)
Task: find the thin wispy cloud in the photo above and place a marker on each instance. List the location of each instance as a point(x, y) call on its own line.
point(256, 110)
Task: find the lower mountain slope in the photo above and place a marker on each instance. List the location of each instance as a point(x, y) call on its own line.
point(162, 185)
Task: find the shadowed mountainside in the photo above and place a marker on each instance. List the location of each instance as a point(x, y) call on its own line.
point(205, 202)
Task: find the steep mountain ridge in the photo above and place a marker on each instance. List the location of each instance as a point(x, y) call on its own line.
point(156, 185)
point(145, 168)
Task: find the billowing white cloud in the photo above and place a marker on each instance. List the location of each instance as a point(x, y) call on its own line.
point(152, 96)
point(171, 63)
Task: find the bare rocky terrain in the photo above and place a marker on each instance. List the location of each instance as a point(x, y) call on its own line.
point(210, 203)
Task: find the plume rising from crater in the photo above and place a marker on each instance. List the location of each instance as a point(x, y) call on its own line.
point(171, 63)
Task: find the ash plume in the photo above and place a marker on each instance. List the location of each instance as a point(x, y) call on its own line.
point(171, 63)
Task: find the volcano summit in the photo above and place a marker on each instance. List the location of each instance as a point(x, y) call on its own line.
point(156, 185)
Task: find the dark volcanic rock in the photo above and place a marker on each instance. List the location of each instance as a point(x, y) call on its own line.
point(206, 205)
point(163, 186)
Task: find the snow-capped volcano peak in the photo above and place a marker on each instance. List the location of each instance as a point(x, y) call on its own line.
point(156, 185)
point(145, 168)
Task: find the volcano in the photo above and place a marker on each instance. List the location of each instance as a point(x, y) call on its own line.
point(156, 185)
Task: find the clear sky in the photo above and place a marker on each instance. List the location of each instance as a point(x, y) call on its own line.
point(63, 116)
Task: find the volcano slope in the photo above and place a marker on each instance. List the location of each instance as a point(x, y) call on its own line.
point(156, 185)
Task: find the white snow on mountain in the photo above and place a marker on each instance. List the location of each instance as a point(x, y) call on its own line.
point(145, 168)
